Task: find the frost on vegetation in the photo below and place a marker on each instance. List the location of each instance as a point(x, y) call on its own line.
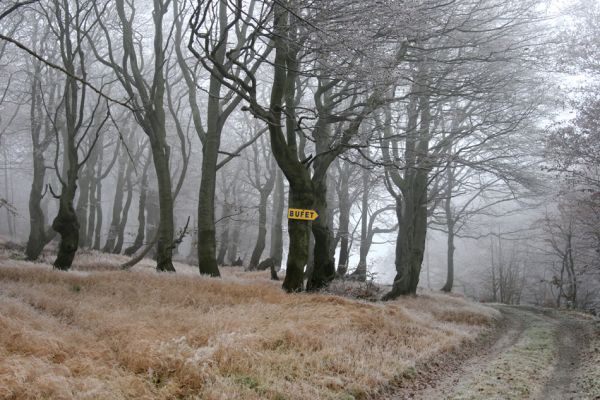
point(518, 373)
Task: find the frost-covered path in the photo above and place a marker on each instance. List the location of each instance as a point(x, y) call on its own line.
point(541, 354)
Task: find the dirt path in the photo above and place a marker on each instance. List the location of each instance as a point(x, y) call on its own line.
point(536, 356)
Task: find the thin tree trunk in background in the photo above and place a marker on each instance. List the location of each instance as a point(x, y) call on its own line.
point(98, 207)
point(343, 229)
point(152, 217)
point(450, 230)
point(117, 207)
point(262, 230)
point(83, 203)
point(139, 237)
point(125, 215)
point(360, 273)
point(232, 250)
point(9, 215)
point(224, 240)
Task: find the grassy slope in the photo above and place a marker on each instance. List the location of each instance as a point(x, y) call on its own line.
point(112, 334)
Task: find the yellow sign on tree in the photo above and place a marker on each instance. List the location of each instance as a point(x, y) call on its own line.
point(306, 215)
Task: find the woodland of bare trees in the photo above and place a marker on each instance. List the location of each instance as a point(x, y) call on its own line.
point(444, 144)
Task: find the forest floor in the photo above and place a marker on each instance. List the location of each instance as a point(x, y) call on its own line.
point(100, 333)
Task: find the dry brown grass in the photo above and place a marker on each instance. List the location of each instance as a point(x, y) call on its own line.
point(141, 335)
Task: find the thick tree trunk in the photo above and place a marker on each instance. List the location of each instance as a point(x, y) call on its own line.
point(207, 259)
point(299, 231)
point(276, 249)
point(67, 226)
point(37, 234)
point(65, 223)
point(324, 264)
point(164, 244)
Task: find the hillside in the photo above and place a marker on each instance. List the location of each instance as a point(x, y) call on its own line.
point(99, 333)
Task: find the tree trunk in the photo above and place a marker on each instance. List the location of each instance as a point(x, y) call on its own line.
point(164, 244)
point(98, 207)
point(207, 260)
point(38, 233)
point(224, 240)
point(139, 237)
point(117, 207)
point(232, 248)
point(124, 216)
point(262, 230)
point(66, 223)
point(450, 260)
point(299, 231)
point(450, 228)
point(360, 273)
point(83, 202)
point(411, 207)
point(324, 265)
point(276, 249)
point(344, 224)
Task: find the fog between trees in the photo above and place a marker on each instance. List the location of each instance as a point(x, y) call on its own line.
point(450, 145)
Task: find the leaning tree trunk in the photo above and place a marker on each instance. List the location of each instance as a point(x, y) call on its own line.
point(123, 222)
point(262, 230)
point(38, 237)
